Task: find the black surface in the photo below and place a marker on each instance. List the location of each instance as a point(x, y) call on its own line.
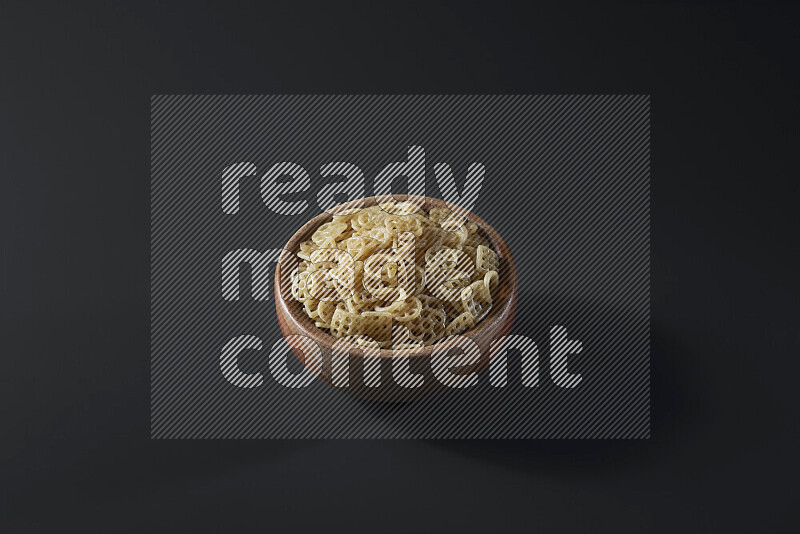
point(74, 126)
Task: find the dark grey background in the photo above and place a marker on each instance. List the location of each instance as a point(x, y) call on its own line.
point(567, 185)
point(74, 126)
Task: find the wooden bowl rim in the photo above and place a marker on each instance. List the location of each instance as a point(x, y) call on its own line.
point(326, 340)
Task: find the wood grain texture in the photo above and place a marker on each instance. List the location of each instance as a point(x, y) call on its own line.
point(293, 321)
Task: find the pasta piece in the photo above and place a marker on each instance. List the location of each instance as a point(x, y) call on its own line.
point(459, 324)
point(485, 260)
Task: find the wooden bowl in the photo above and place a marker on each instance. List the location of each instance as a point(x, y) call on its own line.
point(293, 320)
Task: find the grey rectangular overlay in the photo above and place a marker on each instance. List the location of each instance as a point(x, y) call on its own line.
point(567, 184)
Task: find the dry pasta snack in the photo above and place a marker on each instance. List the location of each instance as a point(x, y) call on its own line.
point(396, 276)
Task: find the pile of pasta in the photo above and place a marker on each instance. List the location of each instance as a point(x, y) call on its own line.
point(394, 276)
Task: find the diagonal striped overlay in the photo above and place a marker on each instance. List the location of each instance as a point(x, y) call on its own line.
point(567, 184)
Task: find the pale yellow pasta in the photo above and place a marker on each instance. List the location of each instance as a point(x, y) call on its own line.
point(459, 324)
point(485, 260)
point(394, 276)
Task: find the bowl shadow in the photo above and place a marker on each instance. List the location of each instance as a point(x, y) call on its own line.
point(675, 407)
